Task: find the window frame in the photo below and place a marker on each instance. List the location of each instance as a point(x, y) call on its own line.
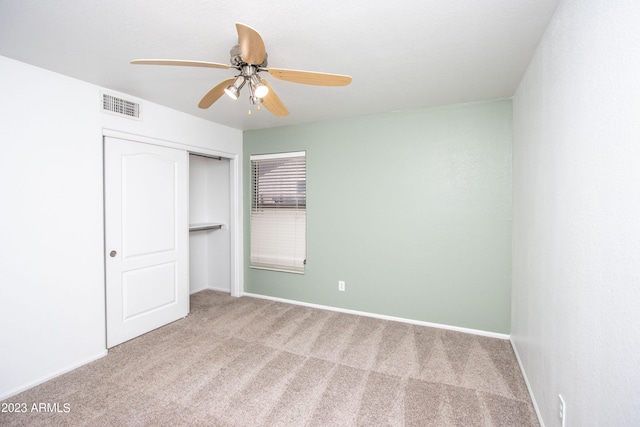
point(278, 209)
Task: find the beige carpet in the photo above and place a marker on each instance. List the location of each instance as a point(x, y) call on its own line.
point(252, 362)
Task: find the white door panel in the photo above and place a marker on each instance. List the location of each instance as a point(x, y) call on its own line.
point(148, 191)
point(147, 289)
point(146, 237)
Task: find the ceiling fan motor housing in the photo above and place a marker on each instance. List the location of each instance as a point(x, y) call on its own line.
point(236, 58)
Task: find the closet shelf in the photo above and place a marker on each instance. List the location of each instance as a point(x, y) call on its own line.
point(205, 226)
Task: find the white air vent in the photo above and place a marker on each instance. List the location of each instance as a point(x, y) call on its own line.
point(121, 107)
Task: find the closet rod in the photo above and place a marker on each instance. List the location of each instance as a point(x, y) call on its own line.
point(205, 156)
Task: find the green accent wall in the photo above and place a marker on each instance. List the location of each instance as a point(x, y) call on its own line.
point(411, 209)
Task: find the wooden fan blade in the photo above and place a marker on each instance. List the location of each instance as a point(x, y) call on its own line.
point(252, 47)
point(215, 93)
point(272, 103)
point(181, 62)
point(310, 77)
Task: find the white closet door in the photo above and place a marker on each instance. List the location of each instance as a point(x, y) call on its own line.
point(146, 237)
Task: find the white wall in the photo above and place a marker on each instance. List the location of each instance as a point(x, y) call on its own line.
point(576, 233)
point(51, 221)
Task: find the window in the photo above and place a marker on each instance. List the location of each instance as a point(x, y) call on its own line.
point(279, 211)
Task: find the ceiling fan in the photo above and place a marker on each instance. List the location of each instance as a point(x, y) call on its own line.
point(249, 57)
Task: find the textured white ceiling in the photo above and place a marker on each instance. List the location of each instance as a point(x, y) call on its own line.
point(401, 54)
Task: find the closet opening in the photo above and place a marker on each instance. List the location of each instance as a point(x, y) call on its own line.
point(209, 223)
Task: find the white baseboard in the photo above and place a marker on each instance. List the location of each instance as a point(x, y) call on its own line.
point(526, 381)
point(384, 317)
point(195, 291)
point(52, 376)
point(210, 288)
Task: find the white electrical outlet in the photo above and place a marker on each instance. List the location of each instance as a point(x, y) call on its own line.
point(562, 410)
point(341, 285)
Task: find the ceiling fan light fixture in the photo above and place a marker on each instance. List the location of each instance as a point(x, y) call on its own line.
point(233, 90)
point(260, 90)
point(253, 99)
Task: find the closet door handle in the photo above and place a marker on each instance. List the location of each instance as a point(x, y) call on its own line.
point(113, 254)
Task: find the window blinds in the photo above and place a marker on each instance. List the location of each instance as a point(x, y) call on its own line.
point(278, 211)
